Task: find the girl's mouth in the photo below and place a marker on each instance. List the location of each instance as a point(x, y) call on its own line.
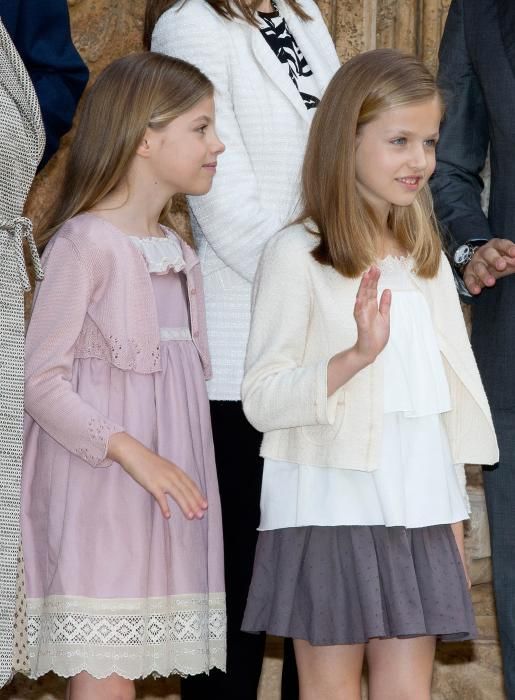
point(411, 183)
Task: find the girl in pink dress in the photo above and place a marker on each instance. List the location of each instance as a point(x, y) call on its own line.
point(120, 513)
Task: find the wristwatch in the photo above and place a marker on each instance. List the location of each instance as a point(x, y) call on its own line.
point(463, 254)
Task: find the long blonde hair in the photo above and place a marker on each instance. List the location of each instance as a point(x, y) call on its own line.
point(362, 88)
point(131, 94)
point(229, 9)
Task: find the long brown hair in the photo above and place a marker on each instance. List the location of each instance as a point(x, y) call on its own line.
point(362, 88)
point(230, 9)
point(139, 91)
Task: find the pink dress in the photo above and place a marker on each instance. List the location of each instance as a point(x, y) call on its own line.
point(112, 586)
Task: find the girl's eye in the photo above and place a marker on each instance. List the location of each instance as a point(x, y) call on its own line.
point(430, 143)
point(401, 141)
point(202, 129)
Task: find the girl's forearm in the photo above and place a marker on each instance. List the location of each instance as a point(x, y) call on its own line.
point(125, 449)
point(343, 367)
point(119, 445)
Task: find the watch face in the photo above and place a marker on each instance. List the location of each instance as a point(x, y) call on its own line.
point(463, 254)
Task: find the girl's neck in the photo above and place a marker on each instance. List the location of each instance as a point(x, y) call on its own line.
point(388, 245)
point(134, 208)
point(126, 219)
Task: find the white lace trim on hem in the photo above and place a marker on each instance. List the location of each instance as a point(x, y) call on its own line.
point(131, 637)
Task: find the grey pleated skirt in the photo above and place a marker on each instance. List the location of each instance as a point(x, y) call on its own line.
point(348, 584)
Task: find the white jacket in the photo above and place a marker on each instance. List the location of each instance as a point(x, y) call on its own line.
point(302, 316)
point(264, 124)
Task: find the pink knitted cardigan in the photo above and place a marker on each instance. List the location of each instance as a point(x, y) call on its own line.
point(96, 301)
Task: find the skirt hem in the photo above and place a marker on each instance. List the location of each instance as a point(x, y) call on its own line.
point(291, 634)
point(154, 670)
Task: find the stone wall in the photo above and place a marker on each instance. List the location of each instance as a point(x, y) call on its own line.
point(104, 30)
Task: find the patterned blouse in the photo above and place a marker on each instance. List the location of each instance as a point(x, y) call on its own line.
point(278, 36)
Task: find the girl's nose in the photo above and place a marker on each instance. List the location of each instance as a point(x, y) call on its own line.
point(418, 157)
point(218, 146)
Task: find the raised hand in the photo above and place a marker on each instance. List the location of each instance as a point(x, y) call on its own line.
point(372, 318)
point(490, 262)
point(373, 322)
point(158, 476)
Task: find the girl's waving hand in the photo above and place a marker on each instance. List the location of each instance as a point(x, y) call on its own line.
point(373, 323)
point(372, 318)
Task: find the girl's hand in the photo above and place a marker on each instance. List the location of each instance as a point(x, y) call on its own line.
point(157, 475)
point(373, 324)
point(372, 319)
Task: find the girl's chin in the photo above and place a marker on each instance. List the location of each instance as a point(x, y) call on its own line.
point(405, 200)
point(201, 189)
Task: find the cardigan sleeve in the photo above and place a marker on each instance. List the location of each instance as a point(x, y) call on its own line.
point(58, 315)
point(278, 390)
point(233, 220)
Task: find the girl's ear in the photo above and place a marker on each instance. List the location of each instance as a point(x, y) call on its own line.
point(144, 147)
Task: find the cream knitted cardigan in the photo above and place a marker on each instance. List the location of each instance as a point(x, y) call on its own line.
point(264, 124)
point(302, 316)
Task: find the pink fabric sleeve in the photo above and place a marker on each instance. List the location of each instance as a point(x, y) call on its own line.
point(58, 315)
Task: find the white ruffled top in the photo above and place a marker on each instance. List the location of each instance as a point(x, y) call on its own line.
point(416, 483)
point(161, 254)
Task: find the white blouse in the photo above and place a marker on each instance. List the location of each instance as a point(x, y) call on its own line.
point(415, 484)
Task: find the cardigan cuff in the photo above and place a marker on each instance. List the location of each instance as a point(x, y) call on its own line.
point(94, 451)
point(106, 462)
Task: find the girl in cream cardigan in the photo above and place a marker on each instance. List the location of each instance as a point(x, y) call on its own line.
point(270, 62)
point(360, 374)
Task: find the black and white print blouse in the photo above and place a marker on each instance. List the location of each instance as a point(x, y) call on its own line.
point(278, 36)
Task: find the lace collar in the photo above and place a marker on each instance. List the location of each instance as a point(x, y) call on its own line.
point(161, 254)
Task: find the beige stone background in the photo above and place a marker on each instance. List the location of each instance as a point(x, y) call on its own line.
point(104, 30)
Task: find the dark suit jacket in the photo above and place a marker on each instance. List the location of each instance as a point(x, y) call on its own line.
point(477, 75)
point(40, 30)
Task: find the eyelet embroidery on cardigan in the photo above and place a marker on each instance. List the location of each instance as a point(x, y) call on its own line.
point(156, 354)
point(85, 454)
point(116, 347)
point(91, 343)
point(99, 430)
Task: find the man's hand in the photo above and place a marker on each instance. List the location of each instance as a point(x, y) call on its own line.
point(489, 263)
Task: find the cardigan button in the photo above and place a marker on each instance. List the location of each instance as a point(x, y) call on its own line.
point(193, 291)
point(195, 334)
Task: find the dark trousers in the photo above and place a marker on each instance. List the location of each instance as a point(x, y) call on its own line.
point(499, 483)
point(240, 471)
